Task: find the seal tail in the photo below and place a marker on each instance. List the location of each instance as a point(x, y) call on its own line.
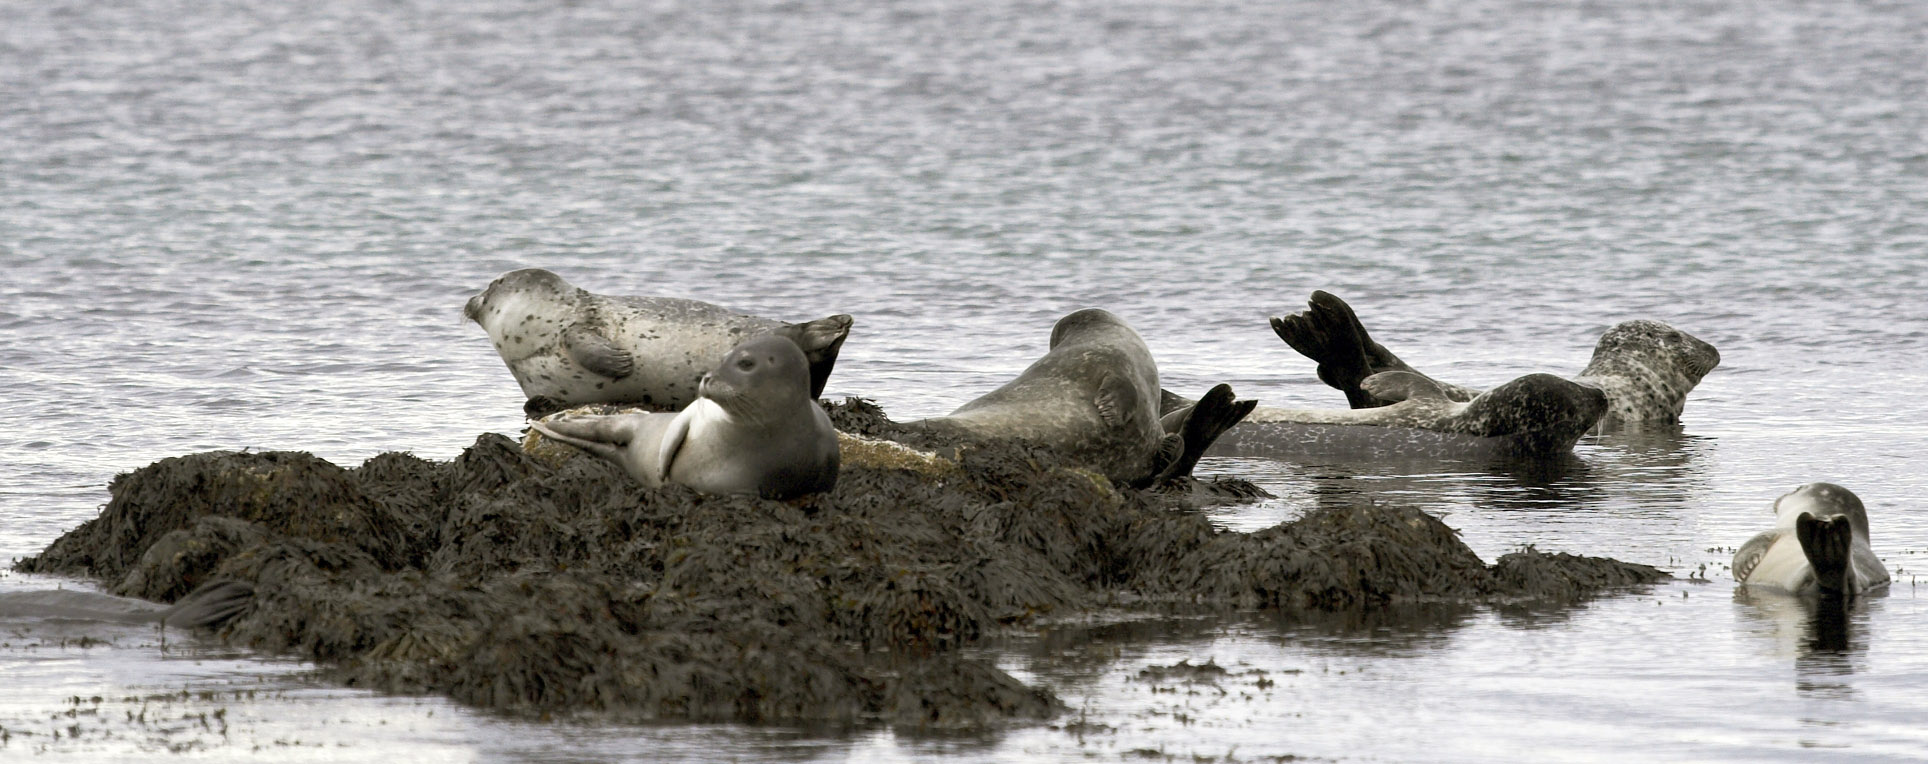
point(1828, 545)
point(1203, 423)
point(1328, 333)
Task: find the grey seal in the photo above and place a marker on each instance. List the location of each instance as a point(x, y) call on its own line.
point(1094, 399)
point(753, 429)
point(1646, 368)
point(568, 347)
point(1819, 546)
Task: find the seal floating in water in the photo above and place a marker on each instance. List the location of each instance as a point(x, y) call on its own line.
point(1094, 399)
point(568, 347)
point(1819, 545)
point(753, 429)
point(1646, 368)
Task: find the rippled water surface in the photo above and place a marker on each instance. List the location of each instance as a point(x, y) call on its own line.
point(252, 225)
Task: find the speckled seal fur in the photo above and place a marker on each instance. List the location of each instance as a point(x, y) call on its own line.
point(1538, 414)
point(1646, 368)
point(754, 429)
point(568, 347)
point(1819, 546)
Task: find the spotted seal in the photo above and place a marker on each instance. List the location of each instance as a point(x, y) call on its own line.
point(1646, 368)
point(1094, 399)
point(753, 429)
point(569, 347)
point(1819, 546)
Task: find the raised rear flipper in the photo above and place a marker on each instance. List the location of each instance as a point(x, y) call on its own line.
point(1328, 333)
point(820, 340)
point(1829, 547)
point(1200, 426)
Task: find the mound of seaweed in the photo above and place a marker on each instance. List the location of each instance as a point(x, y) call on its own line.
point(506, 582)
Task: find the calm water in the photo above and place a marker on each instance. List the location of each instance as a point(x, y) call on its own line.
point(253, 225)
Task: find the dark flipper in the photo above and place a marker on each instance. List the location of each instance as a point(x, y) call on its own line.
point(210, 606)
point(1170, 449)
point(820, 340)
point(541, 406)
point(1328, 333)
point(1203, 423)
point(1829, 547)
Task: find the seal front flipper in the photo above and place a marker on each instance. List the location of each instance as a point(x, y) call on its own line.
point(673, 438)
point(1398, 386)
point(1829, 546)
point(597, 353)
point(1750, 554)
point(1116, 400)
point(1171, 449)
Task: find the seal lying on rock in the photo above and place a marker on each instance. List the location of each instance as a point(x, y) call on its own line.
point(1093, 399)
point(753, 429)
point(1819, 545)
point(568, 347)
point(1646, 368)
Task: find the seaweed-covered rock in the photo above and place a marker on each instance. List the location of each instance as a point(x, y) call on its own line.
point(543, 585)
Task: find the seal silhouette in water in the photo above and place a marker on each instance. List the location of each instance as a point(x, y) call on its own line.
point(1646, 368)
point(568, 347)
point(1093, 398)
point(754, 428)
point(1819, 545)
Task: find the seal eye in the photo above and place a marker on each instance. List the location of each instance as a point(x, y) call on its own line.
point(746, 364)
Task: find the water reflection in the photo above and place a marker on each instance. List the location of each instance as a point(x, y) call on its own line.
point(1824, 636)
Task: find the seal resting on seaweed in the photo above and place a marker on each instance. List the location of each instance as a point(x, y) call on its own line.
point(1646, 368)
point(569, 347)
point(754, 428)
point(1093, 398)
point(1819, 546)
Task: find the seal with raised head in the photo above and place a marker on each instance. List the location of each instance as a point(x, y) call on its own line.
point(1093, 399)
point(1534, 415)
point(1646, 368)
point(1819, 546)
point(568, 347)
point(753, 429)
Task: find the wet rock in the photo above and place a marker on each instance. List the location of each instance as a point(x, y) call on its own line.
point(552, 583)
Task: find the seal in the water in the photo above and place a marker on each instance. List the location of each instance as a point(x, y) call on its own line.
point(753, 429)
point(1093, 398)
point(568, 347)
point(1646, 368)
point(1819, 546)
point(1535, 415)
point(213, 604)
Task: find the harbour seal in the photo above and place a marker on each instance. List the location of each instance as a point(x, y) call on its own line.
point(1646, 368)
point(568, 347)
point(753, 429)
point(1093, 398)
point(209, 606)
point(1819, 546)
point(1534, 415)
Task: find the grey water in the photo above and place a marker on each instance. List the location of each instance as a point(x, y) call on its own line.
point(252, 225)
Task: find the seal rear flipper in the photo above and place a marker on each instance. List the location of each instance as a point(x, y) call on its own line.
point(210, 606)
point(541, 406)
point(1328, 333)
point(1215, 413)
point(1171, 449)
point(1829, 546)
point(1170, 403)
point(820, 341)
point(592, 351)
point(603, 436)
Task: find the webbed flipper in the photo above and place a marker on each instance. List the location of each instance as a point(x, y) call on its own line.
point(820, 340)
point(1116, 400)
point(1201, 425)
point(1829, 547)
point(603, 436)
point(1750, 554)
point(212, 605)
point(597, 353)
point(1328, 333)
